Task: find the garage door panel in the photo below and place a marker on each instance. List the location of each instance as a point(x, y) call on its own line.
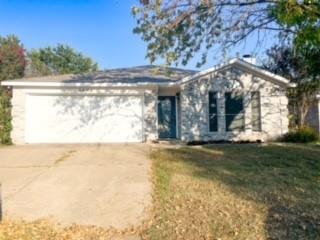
point(83, 119)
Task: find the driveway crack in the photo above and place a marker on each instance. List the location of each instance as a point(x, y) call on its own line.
point(64, 157)
point(27, 184)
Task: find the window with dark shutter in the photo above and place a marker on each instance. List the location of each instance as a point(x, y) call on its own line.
point(234, 111)
point(213, 112)
point(255, 111)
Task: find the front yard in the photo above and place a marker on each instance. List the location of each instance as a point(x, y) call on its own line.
point(218, 192)
point(237, 192)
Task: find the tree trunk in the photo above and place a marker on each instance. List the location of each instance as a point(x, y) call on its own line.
point(303, 108)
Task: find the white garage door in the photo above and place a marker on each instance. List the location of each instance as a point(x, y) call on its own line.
point(83, 119)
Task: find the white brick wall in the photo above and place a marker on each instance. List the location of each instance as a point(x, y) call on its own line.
point(151, 115)
point(18, 116)
point(194, 107)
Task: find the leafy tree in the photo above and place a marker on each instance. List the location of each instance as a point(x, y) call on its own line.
point(177, 30)
point(293, 65)
point(61, 59)
point(12, 65)
point(303, 18)
point(12, 58)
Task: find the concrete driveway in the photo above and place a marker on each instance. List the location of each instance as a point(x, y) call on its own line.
point(105, 185)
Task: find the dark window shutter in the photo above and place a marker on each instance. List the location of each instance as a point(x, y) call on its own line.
point(234, 111)
point(213, 112)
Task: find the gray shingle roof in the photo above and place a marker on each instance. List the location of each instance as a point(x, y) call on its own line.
point(140, 74)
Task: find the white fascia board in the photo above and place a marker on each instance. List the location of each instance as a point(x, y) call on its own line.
point(89, 85)
point(239, 62)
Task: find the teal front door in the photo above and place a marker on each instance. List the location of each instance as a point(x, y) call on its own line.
point(167, 117)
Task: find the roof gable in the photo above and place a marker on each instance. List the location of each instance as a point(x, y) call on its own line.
point(244, 66)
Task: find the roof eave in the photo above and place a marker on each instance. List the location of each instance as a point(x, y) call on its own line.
point(76, 85)
point(235, 61)
point(279, 79)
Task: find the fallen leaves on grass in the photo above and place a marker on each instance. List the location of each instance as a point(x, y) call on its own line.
point(198, 208)
point(236, 192)
point(47, 230)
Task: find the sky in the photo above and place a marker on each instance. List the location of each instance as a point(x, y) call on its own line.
point(100, 29)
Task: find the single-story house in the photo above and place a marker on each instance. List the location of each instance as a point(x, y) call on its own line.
point(234, 101)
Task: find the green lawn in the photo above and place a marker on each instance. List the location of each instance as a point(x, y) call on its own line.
point(236, 192)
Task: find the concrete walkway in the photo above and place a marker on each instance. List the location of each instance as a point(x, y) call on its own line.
point(105, 185)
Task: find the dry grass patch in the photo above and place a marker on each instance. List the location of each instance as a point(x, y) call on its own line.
point(236, 192)
point(46, 230)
